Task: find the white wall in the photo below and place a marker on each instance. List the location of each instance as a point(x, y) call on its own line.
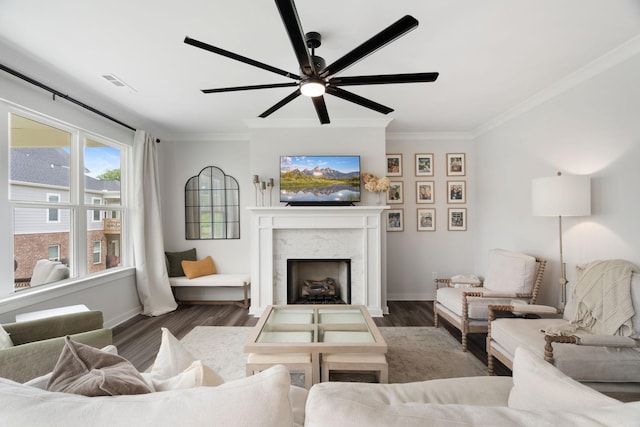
point(179, 161)
point(413, 256)
point(592, 129)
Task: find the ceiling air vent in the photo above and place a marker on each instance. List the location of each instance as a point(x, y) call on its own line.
point(116, 81)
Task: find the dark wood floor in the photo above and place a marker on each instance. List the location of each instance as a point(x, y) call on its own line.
point(138, 339)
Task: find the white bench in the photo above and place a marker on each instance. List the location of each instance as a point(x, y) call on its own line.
point(214, 281)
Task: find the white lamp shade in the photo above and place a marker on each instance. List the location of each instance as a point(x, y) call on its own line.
point(563, 195)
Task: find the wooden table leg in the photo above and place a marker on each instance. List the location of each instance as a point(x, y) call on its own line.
point(315, 366)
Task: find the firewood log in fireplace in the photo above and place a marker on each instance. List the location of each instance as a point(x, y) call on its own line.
point(326, 287)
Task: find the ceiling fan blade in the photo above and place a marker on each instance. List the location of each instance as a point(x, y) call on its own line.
point(321, 109)
point(281, 104)
point(292, 24)
point(384, 79)
point(357, 99)
point(235, 56)
point(384, 37)
point(252, 87)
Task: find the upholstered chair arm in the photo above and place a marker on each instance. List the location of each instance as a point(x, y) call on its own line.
point(613, 341)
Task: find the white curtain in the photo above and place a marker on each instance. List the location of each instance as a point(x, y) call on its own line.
point(152, 280)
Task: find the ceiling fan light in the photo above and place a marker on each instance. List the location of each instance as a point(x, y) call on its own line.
point(312, 88)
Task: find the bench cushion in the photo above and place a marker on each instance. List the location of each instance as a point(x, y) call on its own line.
point(212, 280)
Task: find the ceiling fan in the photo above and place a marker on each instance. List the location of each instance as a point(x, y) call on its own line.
point(315, 77)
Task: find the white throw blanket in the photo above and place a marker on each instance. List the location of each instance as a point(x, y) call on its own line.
point(603, 293)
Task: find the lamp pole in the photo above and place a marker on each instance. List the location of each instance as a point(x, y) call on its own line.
point(563, 268)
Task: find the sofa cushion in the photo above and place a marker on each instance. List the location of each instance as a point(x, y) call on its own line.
point(263, 397)
point(204, 267)
point(58, 272)
point(510, 272)
point(174, 261)
point(175, 368)
point(5, 339)
point(537, 384)
point(372, 405)
point(82, 369)
point(582, 363)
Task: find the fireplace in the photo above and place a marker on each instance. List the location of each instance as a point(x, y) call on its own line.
point(318, 281)
point(352, 233)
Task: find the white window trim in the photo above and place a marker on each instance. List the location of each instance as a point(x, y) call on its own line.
point(76, 205)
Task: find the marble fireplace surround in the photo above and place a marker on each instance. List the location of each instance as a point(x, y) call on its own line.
point(353, 232)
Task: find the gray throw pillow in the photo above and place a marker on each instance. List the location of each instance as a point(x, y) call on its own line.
point(174, 261)
point(85, 370)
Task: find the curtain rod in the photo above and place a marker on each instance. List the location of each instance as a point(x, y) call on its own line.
point(61, 95)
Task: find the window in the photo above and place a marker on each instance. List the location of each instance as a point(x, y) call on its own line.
point(53, 215)
point(57, 176)
point(96, 213)
point(97, 252)
point(54, 253)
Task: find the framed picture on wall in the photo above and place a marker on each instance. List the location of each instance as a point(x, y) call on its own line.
point(457, 219)
point(395, 193)
point(456, 191)
point(394, 164)
point(424, 164)
point(425, 192)
point(456, 164)
point(426, 219)
point(395, 219)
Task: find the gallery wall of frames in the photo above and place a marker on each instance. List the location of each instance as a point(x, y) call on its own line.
point(415, 178)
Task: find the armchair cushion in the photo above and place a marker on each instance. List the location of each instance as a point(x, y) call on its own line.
point(582, 363)
point(478, 308)
point(510, 272)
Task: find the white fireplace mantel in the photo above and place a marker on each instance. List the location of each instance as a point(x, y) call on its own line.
point(353, 232)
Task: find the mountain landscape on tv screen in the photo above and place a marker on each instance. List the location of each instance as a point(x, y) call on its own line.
point(318, 184)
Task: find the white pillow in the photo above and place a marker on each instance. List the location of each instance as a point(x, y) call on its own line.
point(41, 271)
point(538, 385)
point(510, 272)
point(175, 368)
point(261, 399)
point(5, 339)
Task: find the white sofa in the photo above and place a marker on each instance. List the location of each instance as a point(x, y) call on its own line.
point(538, 395)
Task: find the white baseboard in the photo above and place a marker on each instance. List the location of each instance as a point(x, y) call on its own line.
point(422, 296)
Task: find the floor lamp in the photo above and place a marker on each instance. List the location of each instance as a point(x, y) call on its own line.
point(561, 195)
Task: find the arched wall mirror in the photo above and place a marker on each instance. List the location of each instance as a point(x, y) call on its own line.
point(212, 206)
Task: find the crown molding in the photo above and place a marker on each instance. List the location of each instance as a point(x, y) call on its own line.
point(429, 136)
point(610, 59)
point(313, 123)
point(205, 137)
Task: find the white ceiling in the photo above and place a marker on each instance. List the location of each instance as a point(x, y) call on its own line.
point(491, 54)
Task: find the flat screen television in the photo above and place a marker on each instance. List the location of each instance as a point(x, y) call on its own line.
point(319, 180)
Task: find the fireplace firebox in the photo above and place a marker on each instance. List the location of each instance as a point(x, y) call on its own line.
point(319, 281)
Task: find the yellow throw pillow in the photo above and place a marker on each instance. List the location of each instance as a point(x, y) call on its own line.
point(204, 267)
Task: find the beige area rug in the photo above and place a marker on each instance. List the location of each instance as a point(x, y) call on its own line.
point(415, 353)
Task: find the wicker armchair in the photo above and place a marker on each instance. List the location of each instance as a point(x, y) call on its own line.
point(609, 363)
point(510, 276)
